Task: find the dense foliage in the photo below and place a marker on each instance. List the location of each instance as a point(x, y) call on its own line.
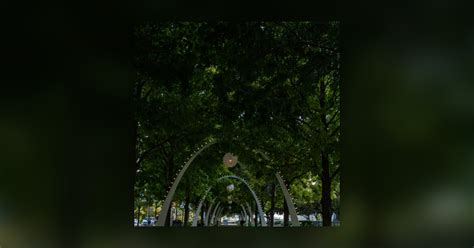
point(258, 87)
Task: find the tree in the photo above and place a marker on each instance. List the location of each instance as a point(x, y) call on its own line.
point(259, 87)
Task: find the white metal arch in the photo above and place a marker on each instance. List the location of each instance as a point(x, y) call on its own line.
point(195, 219)
point(169, 197)
point(257, 201)
point(245, 214)
point(214, 213)
point(259, 206)
point(209, 209)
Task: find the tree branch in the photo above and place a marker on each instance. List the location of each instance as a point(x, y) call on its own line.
point(333, 118)
point(302, 97)
point(307, 124)
point(308, 42)
point(145, 153)
point(147, 94)
point(335, 172)
point(296, 177)
point(335, 131)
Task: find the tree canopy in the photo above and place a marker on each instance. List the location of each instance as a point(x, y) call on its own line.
point(263, 89)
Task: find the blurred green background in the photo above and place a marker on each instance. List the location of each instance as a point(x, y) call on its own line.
point(407, 114)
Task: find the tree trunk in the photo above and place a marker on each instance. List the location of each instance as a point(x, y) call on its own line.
point(325, 174)
point(134, 166)
point(326, 190)
point(204, 206)
point(272, 208)
point(256, 215)
point(169, 181)
point(138, 215)
point(249, 219)
point(176, 213)
point(168, 217)
point(186, 207)
point(286, 213)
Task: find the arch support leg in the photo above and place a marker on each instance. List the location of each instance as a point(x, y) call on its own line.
point(289, 202)
point(198, 211)
point(169, 197)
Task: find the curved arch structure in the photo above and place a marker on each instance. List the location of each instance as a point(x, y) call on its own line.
point(286, 194)
point(209, 209)
point(206, 221)
point(218, 216)
point(195, 219)
point(289, 202)
point(259, 206)
point(250, 212)
point(169, 197)
point(215, 211)
point(245, 214)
